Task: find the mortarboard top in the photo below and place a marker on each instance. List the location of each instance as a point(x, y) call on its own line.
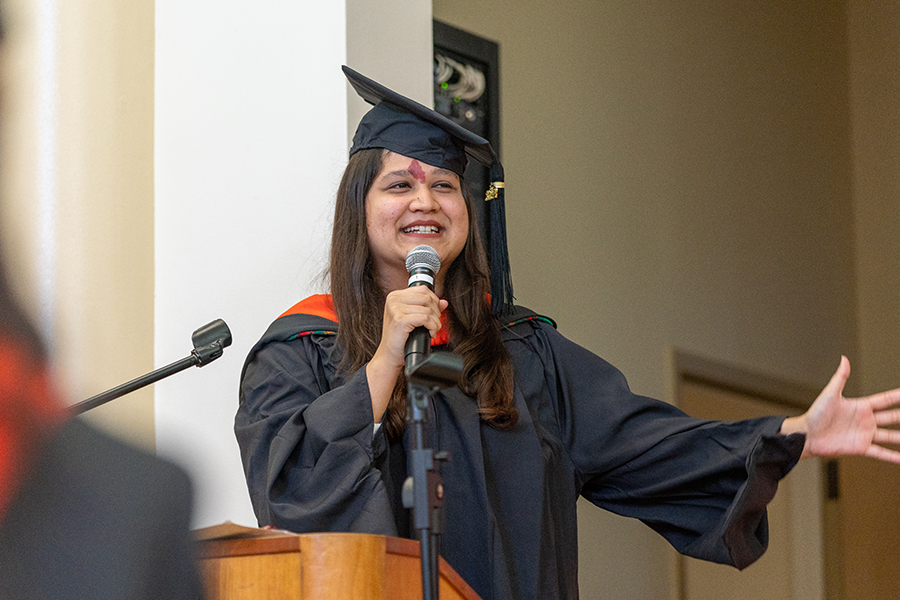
point(404, 126)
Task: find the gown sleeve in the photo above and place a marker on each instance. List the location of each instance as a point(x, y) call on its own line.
point(308, 449)
point(703, 485)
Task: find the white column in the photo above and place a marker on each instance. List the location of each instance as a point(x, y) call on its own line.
point(250, 134)
point(251, 140)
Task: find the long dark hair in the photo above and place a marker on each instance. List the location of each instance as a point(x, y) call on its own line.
point(359, 304)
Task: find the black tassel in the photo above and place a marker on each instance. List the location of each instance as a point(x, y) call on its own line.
point(498, 254)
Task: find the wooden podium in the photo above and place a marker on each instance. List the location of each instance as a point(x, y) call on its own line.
point(318, 566)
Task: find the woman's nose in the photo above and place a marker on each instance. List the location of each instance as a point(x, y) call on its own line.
point(424, 201)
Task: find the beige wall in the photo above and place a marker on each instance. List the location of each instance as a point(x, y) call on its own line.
point(684, 172)
point(870, 551)
point(874, 34)
point(374, 49)
point(85, 129)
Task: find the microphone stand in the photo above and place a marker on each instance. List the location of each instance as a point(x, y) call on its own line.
point(423, 490)
point(209, 343)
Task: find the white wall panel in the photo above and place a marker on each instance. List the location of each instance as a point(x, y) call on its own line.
point(250, 129)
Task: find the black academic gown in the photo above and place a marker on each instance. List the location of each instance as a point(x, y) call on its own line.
point(312, 463)
point(98, 519)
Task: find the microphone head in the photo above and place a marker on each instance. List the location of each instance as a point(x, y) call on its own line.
point(423, 256)
point(217, 331)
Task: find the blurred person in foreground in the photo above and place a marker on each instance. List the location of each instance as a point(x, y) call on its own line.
point(81, 514)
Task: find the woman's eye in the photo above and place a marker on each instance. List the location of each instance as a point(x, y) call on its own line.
point(398, 185)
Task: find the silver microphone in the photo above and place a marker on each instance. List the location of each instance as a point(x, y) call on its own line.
point(422, 264)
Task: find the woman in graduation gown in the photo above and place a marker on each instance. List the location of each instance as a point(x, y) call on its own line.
point(536, 421)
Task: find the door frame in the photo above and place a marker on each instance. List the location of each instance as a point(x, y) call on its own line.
point(685, 366)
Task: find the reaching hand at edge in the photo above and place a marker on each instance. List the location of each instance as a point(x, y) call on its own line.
point(839, 426)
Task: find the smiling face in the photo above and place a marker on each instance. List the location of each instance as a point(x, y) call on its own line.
point(412, 203)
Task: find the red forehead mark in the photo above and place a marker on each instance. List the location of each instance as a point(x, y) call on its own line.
point(416, 170)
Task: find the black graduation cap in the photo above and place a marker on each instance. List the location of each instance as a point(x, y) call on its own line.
point(406, 127)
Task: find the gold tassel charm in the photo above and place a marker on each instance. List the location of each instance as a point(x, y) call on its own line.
point(494, 190)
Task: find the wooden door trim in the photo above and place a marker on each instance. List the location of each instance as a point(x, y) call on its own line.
point(687, 366)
